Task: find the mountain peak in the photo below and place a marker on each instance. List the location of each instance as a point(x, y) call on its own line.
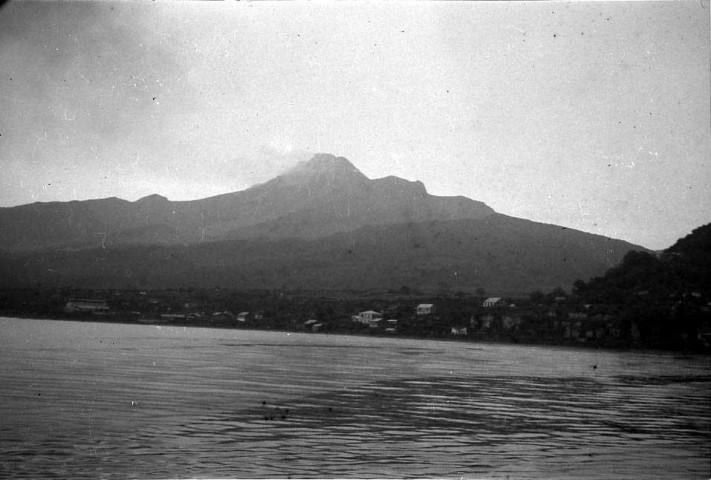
point(153, 198)
point(324, 167)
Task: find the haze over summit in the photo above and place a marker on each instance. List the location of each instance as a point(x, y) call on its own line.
point(321, 197)
point(593, 116)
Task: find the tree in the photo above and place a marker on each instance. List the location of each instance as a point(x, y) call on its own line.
point(635, 258)
point(578, 287)
point(537, 296)
point(557, 292)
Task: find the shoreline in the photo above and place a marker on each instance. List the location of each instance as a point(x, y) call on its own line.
point(449, 339)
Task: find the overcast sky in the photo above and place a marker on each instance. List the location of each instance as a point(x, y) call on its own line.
point(590, 115)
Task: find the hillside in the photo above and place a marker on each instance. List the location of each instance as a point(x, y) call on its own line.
point(662, 300)
point(498, 253)
point(683, 270)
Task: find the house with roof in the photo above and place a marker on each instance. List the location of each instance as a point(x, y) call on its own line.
point(225, 316)
point(424, 309)
point(313, 325)
point(172, 317)
point(95, 307)
point(377, 322)
point(368, 317)
point(493, 302)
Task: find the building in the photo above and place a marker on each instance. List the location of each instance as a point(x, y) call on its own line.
point(368, 317)
point(459, 330)
point(376, 322)
point(424, 309)
point(493, 302)
point(222, 317)
point(95, 307)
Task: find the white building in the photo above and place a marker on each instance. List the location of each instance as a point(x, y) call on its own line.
point(369, 317)
point(493, 302)
point(424, 309)
point(97, 307)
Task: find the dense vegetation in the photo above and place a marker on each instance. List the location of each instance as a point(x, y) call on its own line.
point(665, 297)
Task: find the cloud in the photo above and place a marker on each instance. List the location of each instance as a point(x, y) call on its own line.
point(266, 163)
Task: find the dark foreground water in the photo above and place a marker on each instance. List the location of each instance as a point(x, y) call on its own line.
point(115, 401)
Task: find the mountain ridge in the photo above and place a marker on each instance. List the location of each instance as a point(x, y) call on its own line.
point(326, 186)
point(321, 225)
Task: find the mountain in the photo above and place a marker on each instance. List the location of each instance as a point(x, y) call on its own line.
point(323, 196)
point(498, 253)
point(321, 225)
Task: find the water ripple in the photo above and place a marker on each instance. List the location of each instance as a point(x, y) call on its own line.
point(207, 403)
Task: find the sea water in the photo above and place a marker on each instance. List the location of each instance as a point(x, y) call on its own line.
point(100, 400)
